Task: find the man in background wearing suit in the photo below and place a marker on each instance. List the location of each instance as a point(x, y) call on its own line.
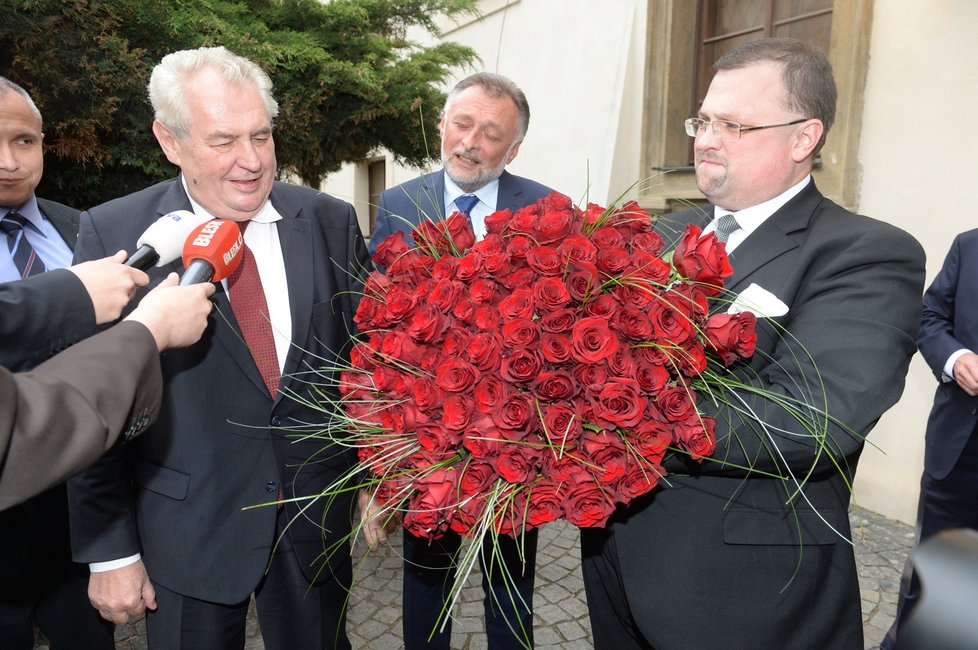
point(38, 581)
point(750, 549)
point(163, 521)
point(483, 124)
point(948, 339)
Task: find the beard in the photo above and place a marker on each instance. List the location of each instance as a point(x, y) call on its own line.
point(470, 182)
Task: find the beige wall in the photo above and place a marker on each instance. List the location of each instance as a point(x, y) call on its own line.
point(917, 157)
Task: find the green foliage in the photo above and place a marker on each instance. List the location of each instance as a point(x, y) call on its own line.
point(347, 77)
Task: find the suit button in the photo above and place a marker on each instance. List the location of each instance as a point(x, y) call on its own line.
point(974, 411)
point(271, 486)
point(276, 421)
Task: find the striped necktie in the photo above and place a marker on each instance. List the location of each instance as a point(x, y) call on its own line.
point(24, 256)
point(725, 226)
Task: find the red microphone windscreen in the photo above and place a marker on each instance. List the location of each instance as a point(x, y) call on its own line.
point(217, 242)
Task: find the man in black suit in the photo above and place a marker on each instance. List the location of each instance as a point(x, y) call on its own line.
point(751, 548)
point(163, 522)
point(38, 581)
point(483, 125)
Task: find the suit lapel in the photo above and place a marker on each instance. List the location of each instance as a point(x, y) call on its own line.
point(63, 218)
point(508, 196)
point(298, 241)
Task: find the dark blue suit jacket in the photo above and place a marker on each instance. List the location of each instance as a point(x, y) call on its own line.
point(949, 323)
point(402, 207)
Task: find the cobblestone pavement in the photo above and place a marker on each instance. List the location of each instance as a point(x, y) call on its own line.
point(560, 612)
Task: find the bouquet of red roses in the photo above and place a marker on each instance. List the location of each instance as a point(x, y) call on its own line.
point(538, 374)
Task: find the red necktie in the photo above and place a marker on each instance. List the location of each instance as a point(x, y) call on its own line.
point(251, 310)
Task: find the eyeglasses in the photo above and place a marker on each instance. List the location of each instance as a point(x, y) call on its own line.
point(728, 131)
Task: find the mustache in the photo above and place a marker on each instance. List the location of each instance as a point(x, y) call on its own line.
point(468, 153)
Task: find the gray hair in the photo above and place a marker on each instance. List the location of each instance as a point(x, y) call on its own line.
point(805, 71)
point(496, 85)
point(166, 84)
point(6, 85)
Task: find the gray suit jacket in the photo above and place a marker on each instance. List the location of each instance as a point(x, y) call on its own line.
point(178, 493)
point(726, 532)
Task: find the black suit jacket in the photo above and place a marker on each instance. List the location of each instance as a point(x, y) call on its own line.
point(178, 493)
point(727, 556)
point(950, 323)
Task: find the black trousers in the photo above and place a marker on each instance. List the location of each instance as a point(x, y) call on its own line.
point(430, 571)
point(40, 585)
point(291, 615)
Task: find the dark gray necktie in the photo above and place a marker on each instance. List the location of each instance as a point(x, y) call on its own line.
point(725, 226)
point(24, 256)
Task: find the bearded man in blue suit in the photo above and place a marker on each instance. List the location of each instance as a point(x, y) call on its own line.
point(484, 122)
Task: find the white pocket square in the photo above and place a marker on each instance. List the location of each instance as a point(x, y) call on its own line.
point(760, 301)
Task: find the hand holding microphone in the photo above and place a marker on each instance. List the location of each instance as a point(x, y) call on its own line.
point(212, 252)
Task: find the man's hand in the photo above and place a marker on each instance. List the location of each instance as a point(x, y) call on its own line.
point(110, 284)
point(377, 521)
point(175, 315)
point(121, 594)
point(966, 372)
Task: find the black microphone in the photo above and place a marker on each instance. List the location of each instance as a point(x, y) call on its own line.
point(163, 241)
point(212, 252)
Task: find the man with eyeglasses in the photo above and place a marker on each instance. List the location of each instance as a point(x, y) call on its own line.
point(750, 549)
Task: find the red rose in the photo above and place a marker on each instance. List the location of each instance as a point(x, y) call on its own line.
point(561, 426)
point(607, 453)
point(514, 416)
point(732, 336)
point(559, 321)
point(483, 291)
point(445, 294)
point(398, 345)
point(490, 392)
point(483, 441)
point(399, 303)
point(647, 267)
point(554, 225)
point(592, 341)
point(676, 403)
point(696, 437)
point(576, 248)
point(469, 267)
point(516, 463)
point(456, 375)
point(583, 281)
point(522, 365)
point(631, 218)
point(518, 304)
point(634, 324)
point(622, 363)
point(427, 324)
point(445, 268)
point(476, 476)
point(484, 351)
point(648, 242)
point(429, 512)
point(652, 377)
point(464, 311)
point(549, 295)
point(426, 393)
point(688, 299)
point(486, 318)
point(544, 260)
point(519, 278)
point(556, 348)
point(619, 403)
point(702, 260)
point(436, 438)
point(651, 439)
point(457, 412)
point(544, 503)
point(637, 480)
point(520, 332)
point(590, 374)
point(613, 260)
point(690, 357)
point(518, 246)
point(557, 385)
point(498, 221)
point(586, 503)
point(561, 465)
point(607, 237)
point(455, 341)
point(604, 306)
point(669, 325)
point(389, 250)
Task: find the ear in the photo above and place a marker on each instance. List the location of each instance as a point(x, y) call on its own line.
point(512, 152)
point(806, 139)
point(168, 142)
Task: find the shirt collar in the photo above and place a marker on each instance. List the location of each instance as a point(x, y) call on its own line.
point(29, 211)
point(487, 193)
point(267, 214)
point(749, 219)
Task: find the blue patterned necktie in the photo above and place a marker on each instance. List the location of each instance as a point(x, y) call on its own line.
point(465, 203)
point(24, 256)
